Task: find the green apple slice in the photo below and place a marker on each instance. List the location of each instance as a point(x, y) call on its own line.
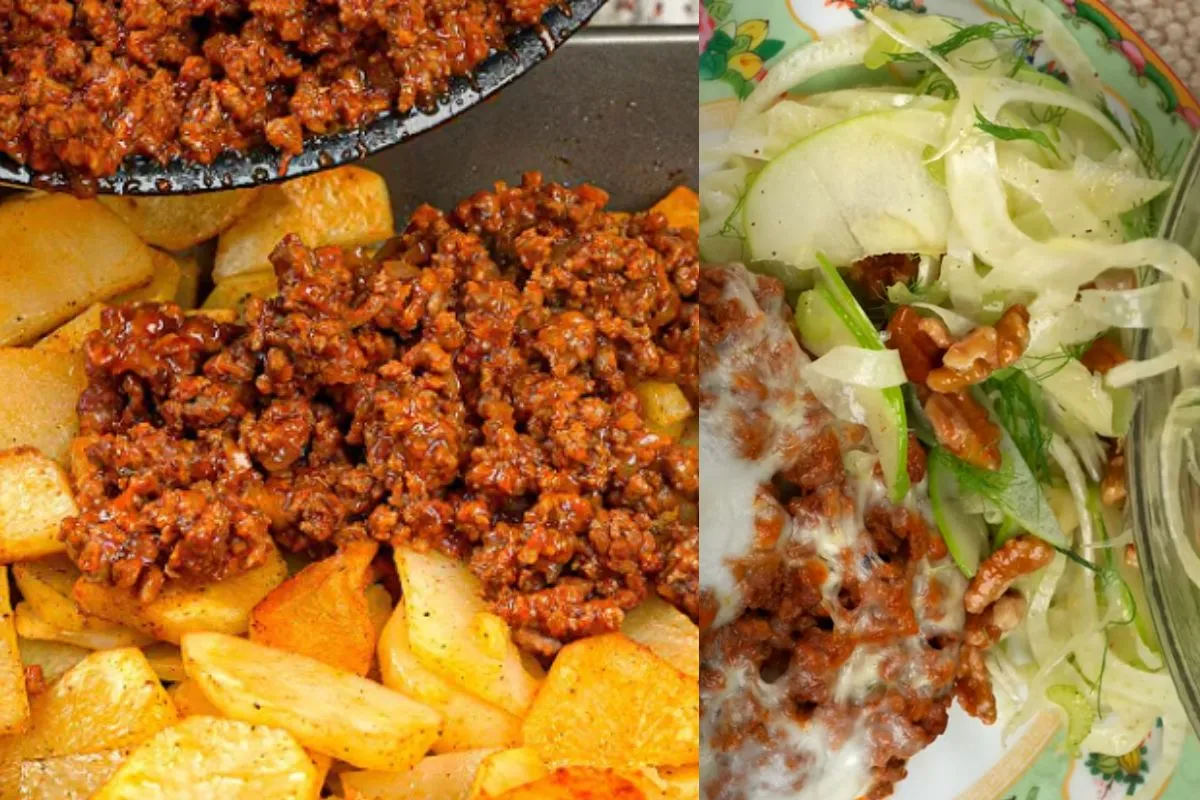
point(965, 534)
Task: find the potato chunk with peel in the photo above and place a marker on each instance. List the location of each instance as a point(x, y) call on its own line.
point(204, 757)
point(34, 500)
point(610, 702)
point(506, 770)
point(451, 631)
point(328, 710)
point(182, 607)
point(178, 221)
point(346, 206)
point(443, 777)
point(668, 632)
point(470, 723)
point(14, 703)
point(322, 611)
point(71, 777)
point(60, 255)
point(579, 783)
point(111, 699)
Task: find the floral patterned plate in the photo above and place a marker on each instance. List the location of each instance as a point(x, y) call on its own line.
point(739, 41)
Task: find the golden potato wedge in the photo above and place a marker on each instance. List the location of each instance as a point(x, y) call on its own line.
point(69, 337)
point(379, 607)
point(452, 633)
point(42, 414)
point(182, 607)
point(680, 783)
point(163, 283)
point(345, 206)
point(681, 207)
point(664, 406)
point(178, 221)
point(667, 631)
point(187, 293)
point(327, 709)
point(31, 626)
point(202, 758)
point(46, 583)
point(322, 611)
point(76, 776)
point(191, 701)
point(55, 658)
point(579, 783)
point(322, 763)
point(610, 702)
point(111, 699)
point(14, 702)
point(444, 777)
point(469, 722)
point(60, 255)
point(166, 661)
point(505, 770)
point(35, 497)
point(232, 293)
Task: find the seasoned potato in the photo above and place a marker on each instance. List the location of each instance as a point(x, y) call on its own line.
point(681, 783)
point(35, 498)
point(681, 207)
point(204, 757)
point(104, 636)
point(506, 770)
point(444, 777)
point(379, 607)
point(111, 699)
point(187, 293)
point(322, 763)
point(668, 632)
point(163, 284)
point(470, 723)
point(166, 661)
point(452, 633)
point(664, 407)
point(344, 206)
point(579, 783)
point(190, 700)
point(14, 703)
point(70, 336)
point(327, 709)
point(322, 611)
point(76, 776)
point(55, 658)
point(610, 702)
point(180, 221)
point(46, 585)
point(181, 607)
point(232, 293)
point(42, 414)
point(60, 255)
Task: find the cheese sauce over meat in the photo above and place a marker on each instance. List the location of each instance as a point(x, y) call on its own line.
point(831, 616)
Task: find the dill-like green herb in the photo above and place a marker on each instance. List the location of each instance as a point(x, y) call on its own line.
point(971, 479)
point(1014, 29)
point(936, 84)
point(1053, 115)
point(1010, 134)
point(1018, 406)
point(1040, 368)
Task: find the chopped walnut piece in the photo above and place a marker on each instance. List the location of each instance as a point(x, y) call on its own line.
point(962, 426)
point(1112, 486)
point(990, 626)
point(910, 336)
point(983, 351)
point(1018, 556)
point(973, 687)
point(876, 273)
point(1102, 355)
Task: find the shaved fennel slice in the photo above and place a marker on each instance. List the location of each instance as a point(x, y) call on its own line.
point(721, 194)
point(842, 50)
point(958, 324)
point(1081, 74)
point(1037, 620)
point(1175, 731)
point(860, 366)
point(1159, 305)
point(867, 100)
point(767, 135)
point(1119, 732)
point(822, 196)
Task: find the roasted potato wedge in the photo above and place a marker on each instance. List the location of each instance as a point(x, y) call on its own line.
point(232, 293)
point(202, 758)
point(664, 407)
point(42, 414)
point(14, 703)
point(505, 770)
point(191, 701)
point(681, 207)
point(322, 611)
point(452, 633)
point(379, 607)
point(181, 607)
point(71, 777)
point(166, 661)
point(345, 206)
point(579, 783)
point(35, 497)
point(163, 284)
point(60, 255)
point(680, 783)
point(444, 777)
point(69, 337)
point(180, 221)
point(105, 636)
point(46, 585)
point(111, 699)
point(187, 293)
point(328, 710)
point(54, 658)
point(610, 702)
point(667, 631)
point(470, 723)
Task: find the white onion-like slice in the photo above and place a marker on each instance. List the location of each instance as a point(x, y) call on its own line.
point(858, 366)
point(844, 49)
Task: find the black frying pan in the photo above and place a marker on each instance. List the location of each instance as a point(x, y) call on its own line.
point(139, 175)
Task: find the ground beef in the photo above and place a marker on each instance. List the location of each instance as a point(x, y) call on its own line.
point(469, 389)
point(84, 84)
